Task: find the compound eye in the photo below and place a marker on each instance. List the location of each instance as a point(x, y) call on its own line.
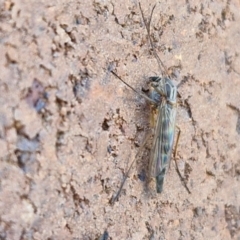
point(155, 79)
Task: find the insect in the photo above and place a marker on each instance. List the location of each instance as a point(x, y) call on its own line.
point(163, 98)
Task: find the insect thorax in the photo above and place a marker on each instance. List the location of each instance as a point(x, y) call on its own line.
point(163, 90)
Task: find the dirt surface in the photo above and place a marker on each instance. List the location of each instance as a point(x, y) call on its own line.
point(69, 129)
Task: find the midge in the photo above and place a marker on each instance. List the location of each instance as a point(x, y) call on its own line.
point(163, 98)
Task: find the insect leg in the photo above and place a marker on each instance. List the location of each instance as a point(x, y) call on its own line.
point(177, 140)
point(176, 165)
point(116, 197)
point(233, 107)
point(139, 93)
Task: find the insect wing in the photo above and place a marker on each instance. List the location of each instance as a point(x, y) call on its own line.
point(163, 139)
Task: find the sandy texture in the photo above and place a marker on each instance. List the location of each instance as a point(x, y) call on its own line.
point(69, 129)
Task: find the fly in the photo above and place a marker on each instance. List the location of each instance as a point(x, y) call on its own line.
point(163, 98)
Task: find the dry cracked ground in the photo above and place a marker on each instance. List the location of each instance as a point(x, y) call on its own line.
point(69, 129)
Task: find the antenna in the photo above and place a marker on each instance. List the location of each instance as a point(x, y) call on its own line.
point(147, 25)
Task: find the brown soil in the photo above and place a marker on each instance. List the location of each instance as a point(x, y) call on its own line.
point(69, 129)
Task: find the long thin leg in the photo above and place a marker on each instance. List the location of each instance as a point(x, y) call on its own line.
point(177, 140)
point(176, 165)
point(139, 93)
point(116, 197)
